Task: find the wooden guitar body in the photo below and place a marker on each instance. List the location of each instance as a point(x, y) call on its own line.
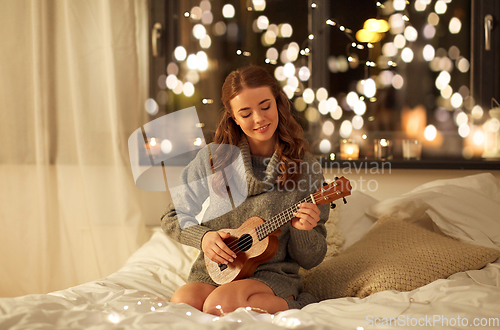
point(256, 240)
point(249, 250)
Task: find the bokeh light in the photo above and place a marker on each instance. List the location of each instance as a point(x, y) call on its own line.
point(328, 127)
point(228, 11)
point(345, 129)
point(180, 53)
point(430, 132)
point(325, 146)
point(455, 25)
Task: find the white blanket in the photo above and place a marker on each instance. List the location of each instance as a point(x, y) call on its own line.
point(136, 297)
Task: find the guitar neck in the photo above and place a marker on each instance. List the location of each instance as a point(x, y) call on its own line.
point(280, 219)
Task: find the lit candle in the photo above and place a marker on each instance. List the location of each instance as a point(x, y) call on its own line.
point(412, 149)
point(382, 149)
point(349, 150)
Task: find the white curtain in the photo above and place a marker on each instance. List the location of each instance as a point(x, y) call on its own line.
point(73, 81)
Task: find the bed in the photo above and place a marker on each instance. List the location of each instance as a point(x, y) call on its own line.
point(386, 266)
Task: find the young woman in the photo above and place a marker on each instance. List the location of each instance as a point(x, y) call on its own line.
point(279, 173)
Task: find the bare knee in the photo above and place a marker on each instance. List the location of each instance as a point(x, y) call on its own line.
point(228, 297)
point(192, 294)
point(188, 298)
point(220, 301)
point(242, 293)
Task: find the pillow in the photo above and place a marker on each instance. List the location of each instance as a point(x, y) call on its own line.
point(169, 260)
point(394, 255)
point(334, 237)
point(465, 208)
point(354, 223)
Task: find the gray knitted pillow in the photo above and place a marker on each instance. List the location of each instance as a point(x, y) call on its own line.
point(394, 255)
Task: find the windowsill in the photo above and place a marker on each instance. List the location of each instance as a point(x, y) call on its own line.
point(413, 164)
point(427, 164)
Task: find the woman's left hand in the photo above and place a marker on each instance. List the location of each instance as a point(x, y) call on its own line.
point(307, 217)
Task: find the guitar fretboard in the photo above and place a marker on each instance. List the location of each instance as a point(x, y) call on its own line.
point(279, 220)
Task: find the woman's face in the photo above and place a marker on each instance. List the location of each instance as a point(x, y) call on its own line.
point(256, 112)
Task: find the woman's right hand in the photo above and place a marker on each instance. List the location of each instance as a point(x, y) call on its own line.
point(215, 249)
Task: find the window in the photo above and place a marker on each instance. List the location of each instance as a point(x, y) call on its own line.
point(359, 72)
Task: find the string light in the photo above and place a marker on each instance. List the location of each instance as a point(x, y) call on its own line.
point(430, 132)
point(114, 318)
point(228, 11)
point(259, 5)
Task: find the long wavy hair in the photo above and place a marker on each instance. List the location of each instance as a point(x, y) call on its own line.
point(290, 144)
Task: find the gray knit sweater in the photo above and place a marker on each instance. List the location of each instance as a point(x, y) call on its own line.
point(297, 248)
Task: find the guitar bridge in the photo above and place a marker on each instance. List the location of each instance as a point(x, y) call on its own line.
point(222, 267)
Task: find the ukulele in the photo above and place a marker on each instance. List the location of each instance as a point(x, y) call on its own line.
point(256, 240)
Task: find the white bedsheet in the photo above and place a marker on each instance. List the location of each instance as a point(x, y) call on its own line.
point(136, 297)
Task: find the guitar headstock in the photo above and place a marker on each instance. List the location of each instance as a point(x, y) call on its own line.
point(339, 188)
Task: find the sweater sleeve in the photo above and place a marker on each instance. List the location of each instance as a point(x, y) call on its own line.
point(178, 221)
point(308, 247)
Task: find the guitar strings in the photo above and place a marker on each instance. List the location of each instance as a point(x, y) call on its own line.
point(269, 224)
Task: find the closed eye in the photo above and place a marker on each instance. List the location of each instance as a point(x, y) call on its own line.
point(246, 116)
point(267, 107)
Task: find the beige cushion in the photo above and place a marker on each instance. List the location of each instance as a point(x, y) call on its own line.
point(394, 255)
point(335, 238)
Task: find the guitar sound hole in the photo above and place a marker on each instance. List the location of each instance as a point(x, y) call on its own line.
point(245, 242)
point(222, 267)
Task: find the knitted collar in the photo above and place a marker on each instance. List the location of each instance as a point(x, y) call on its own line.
point(254, 185)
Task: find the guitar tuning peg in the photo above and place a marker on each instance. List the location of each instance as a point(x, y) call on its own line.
point(332, 206)
point(336, 178)
point(325, 184)
point(345, 202)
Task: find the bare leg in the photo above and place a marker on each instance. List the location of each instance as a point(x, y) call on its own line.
point(243, 293)
point(193, 294)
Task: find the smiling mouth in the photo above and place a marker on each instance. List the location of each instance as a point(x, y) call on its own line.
point(262, 128)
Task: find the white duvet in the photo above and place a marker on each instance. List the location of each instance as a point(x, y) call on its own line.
point(136, 297)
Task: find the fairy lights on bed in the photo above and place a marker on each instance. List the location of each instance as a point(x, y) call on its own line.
point(114, 318)
point(148, 305)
